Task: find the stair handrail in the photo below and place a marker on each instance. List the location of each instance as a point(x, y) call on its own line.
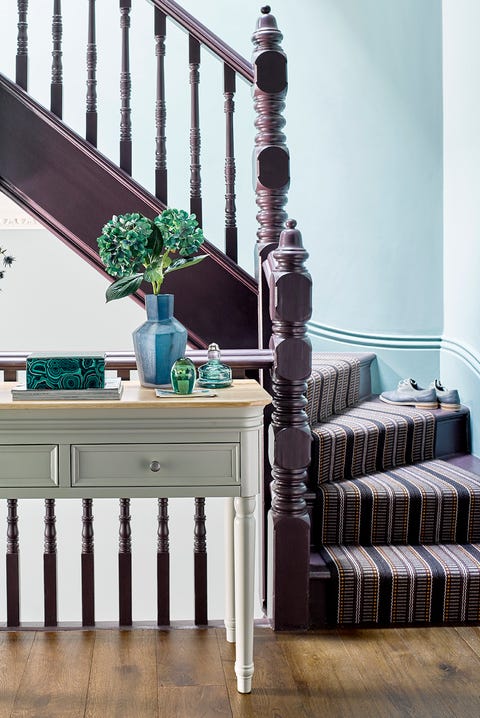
point(200, 32)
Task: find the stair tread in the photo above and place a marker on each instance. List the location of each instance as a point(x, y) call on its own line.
point(370, 436)
point(373, 436)
point(426, 502)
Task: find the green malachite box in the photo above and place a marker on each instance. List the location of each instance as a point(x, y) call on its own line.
point(49, 370)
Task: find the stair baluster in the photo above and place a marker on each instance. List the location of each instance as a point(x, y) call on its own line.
point(91, 113)
point(160, 109)
point(163, 565)
point(231, 249)
point(50, 564)
point(21, 60)
point(88, 585)
point(125, 90)
point(56, 87)
point(12, 566)
point(200, 564)
point(125, 565)
point(195, 179)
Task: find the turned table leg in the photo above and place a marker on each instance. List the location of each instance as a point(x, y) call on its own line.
point(244, 549)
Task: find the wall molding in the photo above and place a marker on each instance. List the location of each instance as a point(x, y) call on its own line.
point(381, 341)
point(454, 346)
point(462, 351)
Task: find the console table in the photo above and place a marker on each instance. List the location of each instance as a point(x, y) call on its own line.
point(143, 446)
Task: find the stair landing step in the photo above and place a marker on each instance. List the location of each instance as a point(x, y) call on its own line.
point(398, 585)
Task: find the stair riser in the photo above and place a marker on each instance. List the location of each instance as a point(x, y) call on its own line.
point(407, 585)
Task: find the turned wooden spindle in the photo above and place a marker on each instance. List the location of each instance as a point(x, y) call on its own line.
point(125, 90)
point(88, 584)
point(163, 565)
point(91, 113)
point(195, 141)
point(200, 563)
point(21, 60)
point(50, 564)
point(231, 249)
point(56, 87)
point(161, 176)
point(125, 564)
point(12, 565)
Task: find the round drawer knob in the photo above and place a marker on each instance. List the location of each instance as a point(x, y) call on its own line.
point(155, 466)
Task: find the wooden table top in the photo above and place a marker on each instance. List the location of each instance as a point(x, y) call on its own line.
point(242, 393)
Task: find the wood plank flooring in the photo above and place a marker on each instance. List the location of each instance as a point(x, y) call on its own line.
point(188, 673)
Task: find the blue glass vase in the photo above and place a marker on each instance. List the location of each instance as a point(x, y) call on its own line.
point(159, 342)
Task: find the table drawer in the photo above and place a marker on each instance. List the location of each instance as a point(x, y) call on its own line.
point(28, 466)
point(155, 465)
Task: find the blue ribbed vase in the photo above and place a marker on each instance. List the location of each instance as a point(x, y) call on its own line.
point(159, 342)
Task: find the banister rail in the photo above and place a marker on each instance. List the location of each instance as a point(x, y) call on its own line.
point(207, 38)
point(241, 361)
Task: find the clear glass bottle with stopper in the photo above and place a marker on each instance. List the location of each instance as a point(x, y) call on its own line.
point(214, 374)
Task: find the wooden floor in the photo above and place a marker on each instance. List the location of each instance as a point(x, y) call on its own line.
point(145, 673)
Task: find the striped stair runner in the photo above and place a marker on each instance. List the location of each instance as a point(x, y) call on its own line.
point(430, 502)
point(368, 437)
point(398, 530)
point(404, 584)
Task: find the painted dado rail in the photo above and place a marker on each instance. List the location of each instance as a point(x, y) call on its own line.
point(262, 323)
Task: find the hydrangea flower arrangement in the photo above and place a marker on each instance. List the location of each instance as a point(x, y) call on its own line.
point(135, 248)
point(7, 261)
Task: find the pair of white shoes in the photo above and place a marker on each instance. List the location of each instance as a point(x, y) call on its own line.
point(408, 393)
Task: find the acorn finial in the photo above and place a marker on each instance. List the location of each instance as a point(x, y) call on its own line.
point(290, 237)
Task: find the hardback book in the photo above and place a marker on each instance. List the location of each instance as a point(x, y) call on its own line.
point(112, 390)
point(53, 371)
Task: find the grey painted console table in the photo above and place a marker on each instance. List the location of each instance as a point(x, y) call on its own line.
point(142, 446)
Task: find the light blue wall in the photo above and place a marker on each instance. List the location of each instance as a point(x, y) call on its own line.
point(376, 184)
point(460, 353)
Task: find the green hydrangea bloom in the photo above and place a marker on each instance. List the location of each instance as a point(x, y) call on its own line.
point(134, 249)
point(123, 244)
point(180, 231)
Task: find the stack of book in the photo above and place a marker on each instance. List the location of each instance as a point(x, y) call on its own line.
point(56, 376)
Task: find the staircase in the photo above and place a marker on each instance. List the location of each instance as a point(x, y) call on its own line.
point(394, 502)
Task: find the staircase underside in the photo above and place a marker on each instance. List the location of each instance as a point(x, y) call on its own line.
point(73, 190)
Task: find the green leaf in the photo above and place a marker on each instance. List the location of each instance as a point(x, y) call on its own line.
point(185, 262)
point(123, 287)
point(153, 273)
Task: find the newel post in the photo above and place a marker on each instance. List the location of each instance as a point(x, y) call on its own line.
point(289, 523)
point(271, 157)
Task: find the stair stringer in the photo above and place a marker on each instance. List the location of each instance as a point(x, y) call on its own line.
point(72, 189)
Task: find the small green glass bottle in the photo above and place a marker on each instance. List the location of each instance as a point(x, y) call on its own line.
point(183, 376)
point(214, 374)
